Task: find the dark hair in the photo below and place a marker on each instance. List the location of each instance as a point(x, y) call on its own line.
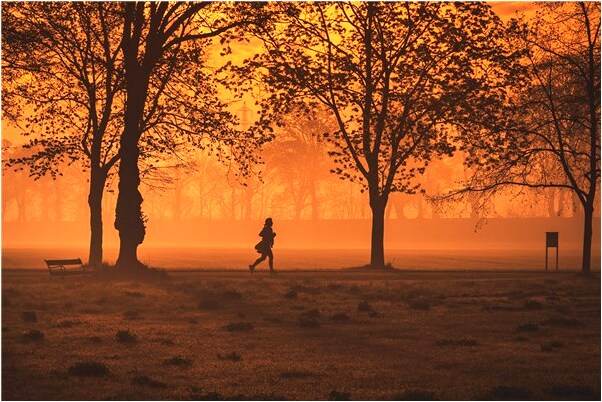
point(268, 221)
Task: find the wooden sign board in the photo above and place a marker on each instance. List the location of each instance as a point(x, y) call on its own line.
point(551, 239)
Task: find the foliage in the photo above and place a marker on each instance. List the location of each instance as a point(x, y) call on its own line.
point(396, 77)
point(551, 137)
point(61, 81)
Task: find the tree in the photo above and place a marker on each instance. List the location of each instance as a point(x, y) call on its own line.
point(554, 138)
point(396, 76)
point(161, 41)
point(299, 157)
point(61, 80)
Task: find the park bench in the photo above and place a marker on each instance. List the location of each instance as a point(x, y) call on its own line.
point(67, 267)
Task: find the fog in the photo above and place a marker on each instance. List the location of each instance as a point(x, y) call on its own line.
point(444, 243)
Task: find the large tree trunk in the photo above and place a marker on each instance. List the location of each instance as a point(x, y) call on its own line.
point(377, 249)
point(128, 213)
point(587, 239)
point(98, 179)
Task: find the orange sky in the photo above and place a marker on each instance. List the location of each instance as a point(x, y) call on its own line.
point(507, 9)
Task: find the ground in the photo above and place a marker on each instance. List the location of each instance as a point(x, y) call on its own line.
point(302, 335)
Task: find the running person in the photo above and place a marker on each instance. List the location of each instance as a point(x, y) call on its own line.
point(264, 247)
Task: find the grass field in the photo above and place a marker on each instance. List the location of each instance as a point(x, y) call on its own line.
point(302, 335)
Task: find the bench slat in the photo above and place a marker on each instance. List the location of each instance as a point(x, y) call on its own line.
point(77, 261)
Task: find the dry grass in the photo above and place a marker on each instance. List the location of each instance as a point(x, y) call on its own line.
point(303, 335)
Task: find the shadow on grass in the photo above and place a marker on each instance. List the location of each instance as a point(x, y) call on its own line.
point(126, 337)
point(177, 361)
point(32, 336)
point(88, 369)
point(335, 395)
point(572, 393)
point(509, 393)
point(415, 395)
point(239, 327)
point(29, 316)
point(297, 374)
point(146, 381)
point(457, 342)
point(233, 357)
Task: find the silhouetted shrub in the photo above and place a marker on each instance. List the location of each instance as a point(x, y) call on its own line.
point(32, 336)
point(148, 382)
point(364, 307)
point(340, 317)
point(239, 326)
point(415, 395)
point(126, 337)
point(177, 361)
point(131, 315)
point(511, 393)
point(233, 357)
point(29, 316)
point(527, 328)
point(208, 303)
point(209, 396)
point(291, 294)
point(551, 346)
point(88, 369)
point(309, 319)
point(339, 396)
point(531, 305)
point(308, 322)
point(231, 295)
point(94, 339)
point(457, 342)
point(67, 323)
point(561, 322)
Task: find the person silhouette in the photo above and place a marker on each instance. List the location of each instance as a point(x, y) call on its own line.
point(264, 247)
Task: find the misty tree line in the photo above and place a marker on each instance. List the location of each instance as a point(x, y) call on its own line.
point(200, 189)
point(127, 88)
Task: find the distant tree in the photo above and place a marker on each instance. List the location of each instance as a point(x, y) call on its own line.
point(398, 77)
point(61, 82)
point(162, 41)
point(299, 156)
point(554, 138)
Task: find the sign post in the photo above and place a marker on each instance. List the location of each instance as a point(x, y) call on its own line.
point(552, 241)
